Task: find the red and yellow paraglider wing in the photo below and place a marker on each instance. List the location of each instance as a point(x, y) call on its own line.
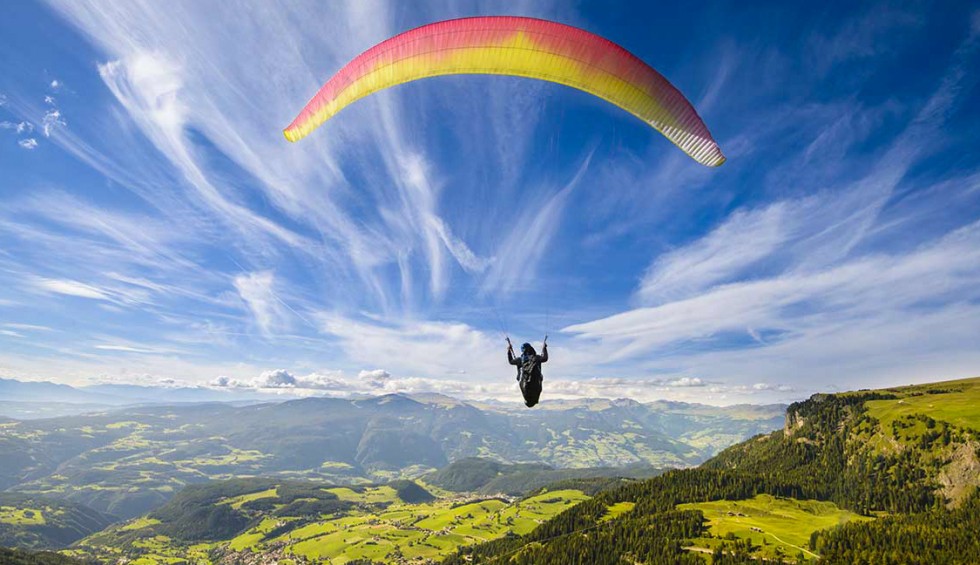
point(517, 46)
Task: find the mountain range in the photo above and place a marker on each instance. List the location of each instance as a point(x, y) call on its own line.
point(43, 399)
point(128, 460)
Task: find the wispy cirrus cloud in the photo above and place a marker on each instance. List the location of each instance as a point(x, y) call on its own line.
point(795, 276)
point(149, 85)
point(520, 255)
point(27, 327)
point(864, 37)
point(170, 211)
point(158, 78)
point(72, 288)
point(745, 239)
point(258, 292)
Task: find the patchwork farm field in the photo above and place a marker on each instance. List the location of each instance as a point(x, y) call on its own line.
point(375, 523)
point(776, 527)
point(21, 516)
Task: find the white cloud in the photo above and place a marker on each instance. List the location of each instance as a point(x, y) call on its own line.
point(18, 127)
point(29, 143)
point(650, 389)
point(867, 286)
point(871, 34)
point(226, 382)
point(279, 378)
point(51, 121)
point(150, 85)
point(377, 377)
point(420, 347)
point(28, 327)
point(326, 381)
point(72, 288)
point(518, 257)
point(121, 294)
point(501, 386)
point(726, 253)
point(686, 381)
point(55, 84)
point(769, 386)
point(11, 333)
point(418, 188)
point(104, 240)
point(124, 348)
point(257, 290)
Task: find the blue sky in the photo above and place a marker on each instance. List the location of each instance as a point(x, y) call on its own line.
point(156, 228)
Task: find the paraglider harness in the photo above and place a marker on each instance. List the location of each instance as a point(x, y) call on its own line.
point(528, 367)
point(529, 373)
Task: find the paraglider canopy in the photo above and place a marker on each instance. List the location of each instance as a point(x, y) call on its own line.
point(517, 46)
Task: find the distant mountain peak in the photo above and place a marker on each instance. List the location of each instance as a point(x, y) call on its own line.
point(435, 398)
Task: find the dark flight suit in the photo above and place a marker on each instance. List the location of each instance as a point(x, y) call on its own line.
point(529, 373)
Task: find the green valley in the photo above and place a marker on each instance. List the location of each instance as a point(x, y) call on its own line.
point(311, 522)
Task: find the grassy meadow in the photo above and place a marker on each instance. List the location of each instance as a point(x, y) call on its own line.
point(954, 402)
point(777, 527)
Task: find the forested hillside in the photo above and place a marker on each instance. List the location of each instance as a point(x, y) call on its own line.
point(910, 454)
point(26, 557)
point(475, 474)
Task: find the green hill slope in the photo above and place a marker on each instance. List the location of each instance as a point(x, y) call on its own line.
point(37, 522)
point(486, 476)
point(24, 557)
point(896, 450)
point(910, 453)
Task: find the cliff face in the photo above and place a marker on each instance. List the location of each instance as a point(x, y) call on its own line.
point(793, 422)
point(961, 475)
point(796, 413)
